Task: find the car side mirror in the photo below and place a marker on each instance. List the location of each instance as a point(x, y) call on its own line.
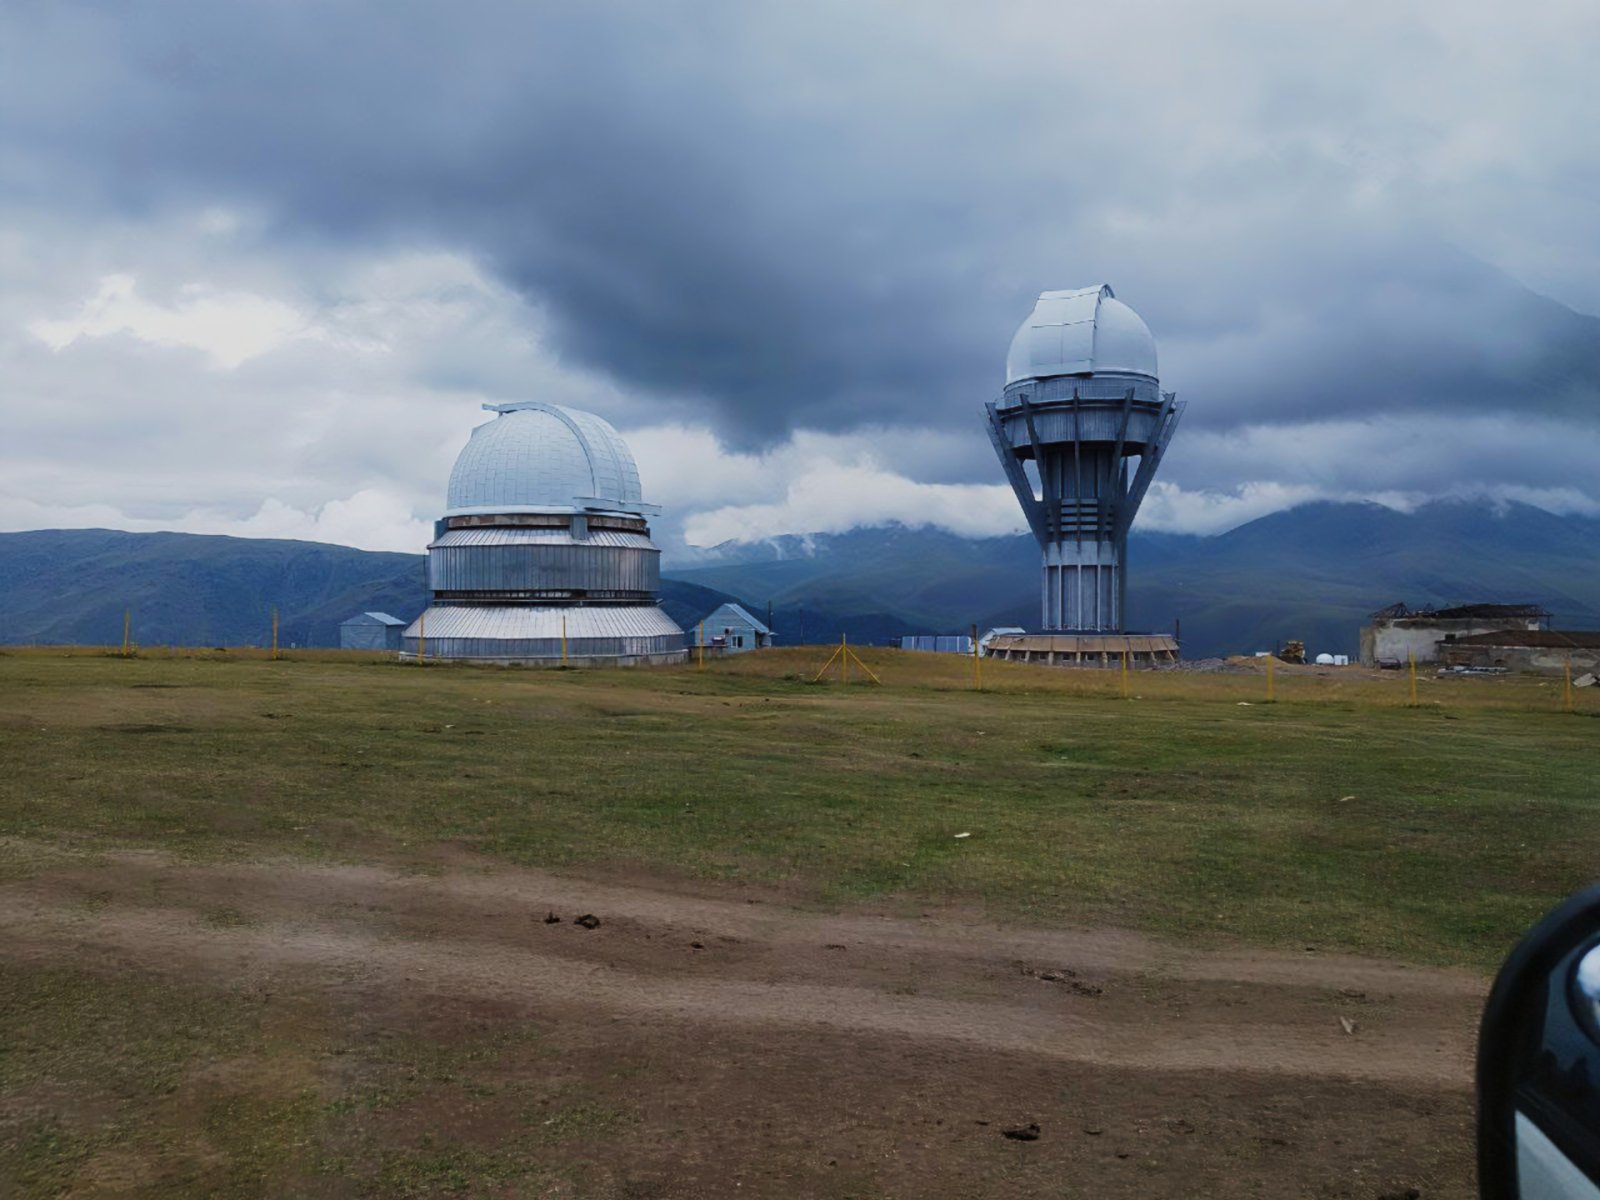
point(1539, 1062)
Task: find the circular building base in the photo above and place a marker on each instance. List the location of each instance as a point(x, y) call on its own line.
point(674, 658)
point(615, 635)
point(1085, 649)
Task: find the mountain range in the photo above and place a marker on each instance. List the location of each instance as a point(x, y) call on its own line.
point(72, 586)
point(1312, 573)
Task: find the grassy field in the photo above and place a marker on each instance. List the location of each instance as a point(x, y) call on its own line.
point(1337, 815)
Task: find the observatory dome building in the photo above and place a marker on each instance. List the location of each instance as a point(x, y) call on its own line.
point(1083, 405)
point(544, 554)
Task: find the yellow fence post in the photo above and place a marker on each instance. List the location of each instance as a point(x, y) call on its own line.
point(1125, 670)
point(827, 664)
point(1566, 688)
point(422, 639)
point(842, 654)
point(1271, 659)
point(563, 637)
point(1411, 661)
point(866, 670)
point(274, 633)
point(702, 645)
point(127, 627)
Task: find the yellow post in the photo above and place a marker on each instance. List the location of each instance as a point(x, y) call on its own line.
point(1411, 661)
point(1124, 671)
point(1566, 689)
point(844, 664)
point(866, 670)
point(274, 633)
point(127, 626)
point(563, 637)
point(1271, 660)
point(826, 665)
point(702, 645)
point(422, 638)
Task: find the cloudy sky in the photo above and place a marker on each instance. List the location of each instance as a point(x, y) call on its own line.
point(260, 264)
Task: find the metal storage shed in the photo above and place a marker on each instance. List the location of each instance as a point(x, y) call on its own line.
point(371, 631)
point(733, 630)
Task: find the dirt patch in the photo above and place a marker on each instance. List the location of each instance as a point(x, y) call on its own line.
point(725, 1045)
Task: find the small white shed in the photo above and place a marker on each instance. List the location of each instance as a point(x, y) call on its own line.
point(371, 631)
point(732, 630)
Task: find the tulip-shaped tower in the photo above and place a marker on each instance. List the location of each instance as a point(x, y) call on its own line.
point(1082, 402)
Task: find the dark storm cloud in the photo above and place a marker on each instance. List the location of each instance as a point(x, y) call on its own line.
point(771, 217)
point(687, 230)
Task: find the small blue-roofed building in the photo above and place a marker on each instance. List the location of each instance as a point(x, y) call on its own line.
point(371, 631)
point(732, 630)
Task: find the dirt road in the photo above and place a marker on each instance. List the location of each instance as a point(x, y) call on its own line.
point(762, 1050)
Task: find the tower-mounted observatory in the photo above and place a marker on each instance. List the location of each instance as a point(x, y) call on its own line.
point(1083, 403)
point(544, 554)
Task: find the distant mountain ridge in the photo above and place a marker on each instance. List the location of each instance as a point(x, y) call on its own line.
point(72, 586)
point(1313, 572)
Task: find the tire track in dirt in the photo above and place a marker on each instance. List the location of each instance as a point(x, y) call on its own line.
point(1150, 1006)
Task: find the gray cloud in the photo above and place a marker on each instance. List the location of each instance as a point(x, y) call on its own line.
point(831, 217)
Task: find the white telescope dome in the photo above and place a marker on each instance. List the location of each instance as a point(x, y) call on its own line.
point(543, 457)
point(1087, 331)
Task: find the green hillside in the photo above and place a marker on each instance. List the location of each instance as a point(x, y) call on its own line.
point(1313, 572)
point(64, 586)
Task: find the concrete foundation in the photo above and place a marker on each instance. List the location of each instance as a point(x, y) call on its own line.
point(1084, 649)
point(1551, 653)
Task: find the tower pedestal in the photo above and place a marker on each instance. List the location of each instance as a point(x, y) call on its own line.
point(1085, 649)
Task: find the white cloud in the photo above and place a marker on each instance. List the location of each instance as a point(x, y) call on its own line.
point(345, 432)
point(230, 327)
point(823, 485)
point(1168, 508)
point(831, 497)
point(812, 483)
point(372, 519)
point(833, 235)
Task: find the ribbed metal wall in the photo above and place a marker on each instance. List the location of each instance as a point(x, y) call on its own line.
point(1100, 388)
point(1098, 423)
point(501, 649)
point(495, 560)
point(536, 632)
point(1082, 586)
point(369, 637)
